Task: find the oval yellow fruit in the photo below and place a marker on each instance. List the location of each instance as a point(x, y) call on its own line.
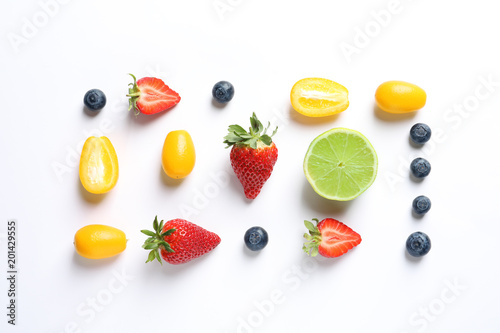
point(400, 97)
point(98, 165)
point(178, 156)
point(317, 97)
point(97, 241)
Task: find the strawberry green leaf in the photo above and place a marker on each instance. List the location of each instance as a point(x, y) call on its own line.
point(151, 256)
point(155, 224)
point(157, 255)
point(255, 123)
point(150, 246)
point(237, 129)
point(311, 227)
point(266, 139)
point(168, 232)
point(148, 233)
point(167, 247)
point(253, 143)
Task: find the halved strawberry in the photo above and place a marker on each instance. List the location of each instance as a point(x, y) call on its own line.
point(330, 238)
point(150, 95)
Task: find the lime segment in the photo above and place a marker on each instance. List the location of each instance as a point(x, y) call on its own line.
point(340, 164)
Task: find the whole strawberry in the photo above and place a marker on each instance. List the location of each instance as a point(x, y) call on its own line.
point(330, 238)
point(253, 155)
point(150, 95)
point(178, 241)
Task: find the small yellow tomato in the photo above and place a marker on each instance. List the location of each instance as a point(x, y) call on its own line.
point(97, 241)
point(400, 97)
point(317, 97)
point(178, 155)
point(98, 165)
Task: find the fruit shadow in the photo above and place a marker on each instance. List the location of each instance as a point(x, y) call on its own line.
point(80, 261)
point(415, 215)
point(327, 263)
point(170, 270)
point(249, 253)
point(322, 205)
point(391, 117)
point(413, 144)
point(90, 197)
point(168, 181)
point(237, 188)
point(144, 119)
point(218, 105)
point(310, 121)
point(89, 112)
point(412, 259)
point(415, 179)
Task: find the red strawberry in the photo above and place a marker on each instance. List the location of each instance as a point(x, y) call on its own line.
point(253, 155)
point(330, 238)
point(179, 241)
point(150, 95)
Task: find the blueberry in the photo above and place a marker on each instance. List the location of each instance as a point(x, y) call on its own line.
point(223, 91)
point(421, 205)
point(418, 244)
point(420, 133)
point(420, 167)
point(256, 238)
point(94, 99)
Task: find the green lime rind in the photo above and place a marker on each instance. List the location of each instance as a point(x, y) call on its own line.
point(340, 164)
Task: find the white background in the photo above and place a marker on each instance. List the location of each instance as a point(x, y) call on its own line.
point(263, 48)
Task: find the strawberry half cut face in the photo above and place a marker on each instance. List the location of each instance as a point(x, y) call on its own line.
point(330, 238)
point(150, 95)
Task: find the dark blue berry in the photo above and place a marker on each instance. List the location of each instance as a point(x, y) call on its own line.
point(420, 167)
point(256, 238)
point(418, 244)
point(94, 99)
point(223, 91)
point(421, 205)
point(420, 133)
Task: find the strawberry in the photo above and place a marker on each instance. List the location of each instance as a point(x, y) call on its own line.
point(253, 155)
point(150, 95)
point(178, 241)
point(330, 238)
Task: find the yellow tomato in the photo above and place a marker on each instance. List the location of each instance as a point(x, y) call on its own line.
point(178, 155)
point(97, 241)
point(98, 165)
point(400, 97)
point(316, 97)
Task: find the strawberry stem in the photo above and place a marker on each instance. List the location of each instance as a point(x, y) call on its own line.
point(156, 240)
point(253, 138)
point(313, 239)
point(134, 93)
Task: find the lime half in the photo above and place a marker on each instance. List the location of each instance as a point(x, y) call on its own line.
point(340, 164)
